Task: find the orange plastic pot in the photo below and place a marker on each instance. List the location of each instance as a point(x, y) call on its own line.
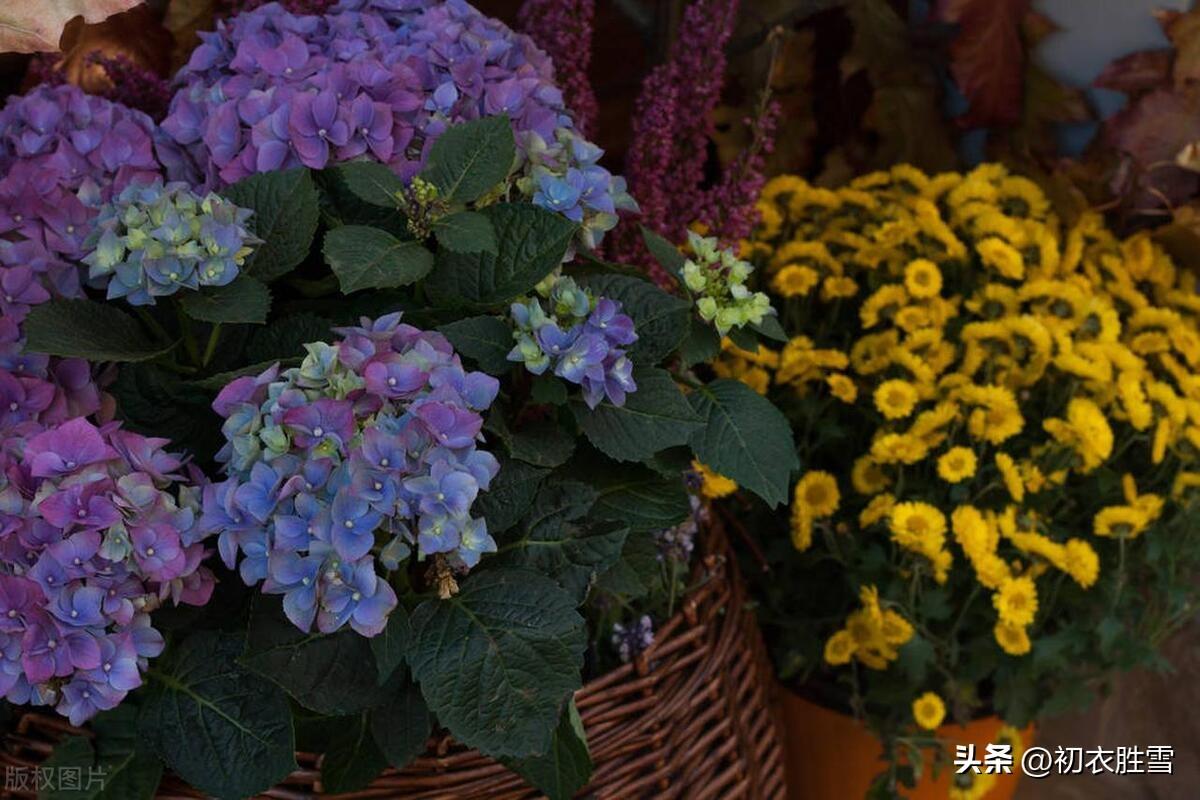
point(831, 756)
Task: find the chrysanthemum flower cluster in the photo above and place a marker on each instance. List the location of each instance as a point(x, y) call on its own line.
point(717, 277)
point(1009, 374)
point(366, 451)
point(97, 529)
point(63, 154)
point(380, 79)
point(155, 239)
point(580, 338)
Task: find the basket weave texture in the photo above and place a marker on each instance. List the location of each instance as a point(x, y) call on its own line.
point(692, 718)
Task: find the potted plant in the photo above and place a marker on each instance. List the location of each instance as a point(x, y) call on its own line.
point(385, 456)
point(996, 419)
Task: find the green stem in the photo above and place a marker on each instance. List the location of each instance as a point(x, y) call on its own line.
point(211, 347)
point(189, 337)
point(153, 324)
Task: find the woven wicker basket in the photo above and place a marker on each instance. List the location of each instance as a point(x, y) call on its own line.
point(693, 717)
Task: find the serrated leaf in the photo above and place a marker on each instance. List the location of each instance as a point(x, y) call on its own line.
point(469, 159)
point(371, 182)
point(744, 437)
point(72, 753)
point(242, 300)
point(219, 728)
point(701, 344)
point(498, 661)
point(327, 673)
point(510, 496)
point(87, 329)
point(530, 244)
point(401, 724)
point(655, 417)
point(285, 218)
point(154, 402)
point(548, 390)
point(363, 257)
point(542, 442)
point(771, 328)
point(638, 569)
point(391, 646)
point(640, 498)
point(131, 772)
point(660, 320)
point(466, 232)
point(567, 767)
point(555, 542)
point(486, 340)
point(352, 759)
point(665, 253)
point(743, 338)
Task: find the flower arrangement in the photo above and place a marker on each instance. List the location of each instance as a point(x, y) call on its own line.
point(352, 276)
point(996, 414)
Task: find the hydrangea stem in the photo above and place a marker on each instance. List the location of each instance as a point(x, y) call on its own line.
point(211, 347)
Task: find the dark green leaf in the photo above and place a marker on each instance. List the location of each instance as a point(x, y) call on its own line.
point(655, 417)
point(744, 339)
point(469, 159)
point(391, 646)
point(498, 662)
point(530, 243)
point(285, 218)
point(510, 496)
point(745, 438)
point(72, 756)
point(220, 728)
point(640, 498)
point(401, 724)
point(567, 767)
point(243, 300)
point(286, 337)
point(369, 258)
point(916, 655)
point(543, 443)
point(771, 328)
point(466, 232)
point(702, 344)
point(665, 253)
point(638, 569)
point(154, 402)
point(352, 759)
point(372, 182)
point(556, 543)
point(660, 320)
point(130, 771)
point(485, 340)
point(327, 673)
point(548, 390)
point(214, 383)
point(88, 329)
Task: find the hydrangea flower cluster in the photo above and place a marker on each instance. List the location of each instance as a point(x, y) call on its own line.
point(581, 338)
point(379, 79)
point(97, 529)
point(564, 176)
point(63, 153)
point(155, 239)
point(718, 278)
point(366, 450)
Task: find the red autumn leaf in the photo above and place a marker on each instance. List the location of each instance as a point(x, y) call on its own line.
point(1136, 73)
point(1151, 132)
point(33, 26)
point(987, 57)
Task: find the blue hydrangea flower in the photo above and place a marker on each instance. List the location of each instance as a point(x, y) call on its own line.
point(579, 337)
point(350, 463)
point(156, 239)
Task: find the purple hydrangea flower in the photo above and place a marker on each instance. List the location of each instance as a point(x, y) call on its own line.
point(96, 531)
point(334, 464)
point(632, 640)
point(271, 89)
point(579, 337)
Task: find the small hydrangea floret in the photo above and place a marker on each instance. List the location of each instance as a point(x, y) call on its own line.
point(580, 338)
point(717, 278)
point(360, 457)
point(97, 529)
point(156, 239)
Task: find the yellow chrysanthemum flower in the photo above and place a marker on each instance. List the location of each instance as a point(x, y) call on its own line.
point(922, 278)
point(957, 464)
point(1016, 601)
point(896, 399)
point(1120, 521)
point(801, 528)
point(817, 492)
point(867, 477)
point(899, 448)
point(929, 711)
point(879, 509)
point(839, 648)
point(1013, 639)
point(1081, 562)
point(795, 280)
point(1011, 476)
point(842, 387)
point(712, 485)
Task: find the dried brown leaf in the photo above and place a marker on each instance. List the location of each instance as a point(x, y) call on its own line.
point(35, 26)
